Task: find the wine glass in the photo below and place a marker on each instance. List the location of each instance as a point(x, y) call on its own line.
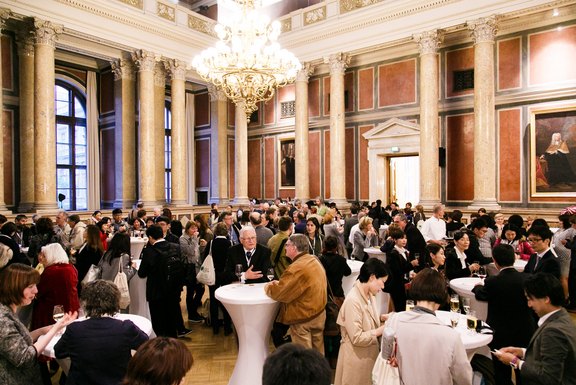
point(454, 303)
point(352, 257)
point(482, 272)
point(239, 271)
point(454, 318)
point(270, 274)
point(58, 312)
point(466, 305)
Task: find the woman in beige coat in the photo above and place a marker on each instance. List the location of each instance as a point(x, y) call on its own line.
point(359, 322)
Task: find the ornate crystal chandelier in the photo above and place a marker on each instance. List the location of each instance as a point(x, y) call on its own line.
point(247, 63)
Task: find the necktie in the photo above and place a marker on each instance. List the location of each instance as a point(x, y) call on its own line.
point(248, 257)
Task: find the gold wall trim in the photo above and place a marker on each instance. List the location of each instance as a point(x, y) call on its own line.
point(315, 15)
point(352, 5)
point(165, 11)
point(134, 3)
point(200, 25)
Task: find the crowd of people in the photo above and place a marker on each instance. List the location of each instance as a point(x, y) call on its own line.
point(300, 250)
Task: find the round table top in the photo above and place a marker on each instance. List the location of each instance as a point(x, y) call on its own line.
point(470, 339)
point(354, 265)
point(520, 264)
point(464, 285)
point(243, 294)
point(138, 240)
point(373, 250)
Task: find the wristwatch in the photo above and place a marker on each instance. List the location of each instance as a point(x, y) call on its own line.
point(514, 362)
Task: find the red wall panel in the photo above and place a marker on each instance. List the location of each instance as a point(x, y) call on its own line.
point(552, 55)
point(269, 168)
point(202, 154)
point(201, 110)
point(254, 168)
point(314, 158)
point(510, 143)
point(397, 83)
point(509, 64)
point(366, 89)
point(327, 191)
point(314, 98)
point(462, 59)
point(107, 92)
point(460, 157)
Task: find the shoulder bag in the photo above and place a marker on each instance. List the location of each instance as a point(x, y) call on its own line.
point(94, 273)
point(121, 281)
point(333, 305)
point(383, 372)
point(207, 273)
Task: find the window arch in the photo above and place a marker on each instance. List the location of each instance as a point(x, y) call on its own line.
point(71, 146)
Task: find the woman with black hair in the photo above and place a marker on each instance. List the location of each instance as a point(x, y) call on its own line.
point(119, 247)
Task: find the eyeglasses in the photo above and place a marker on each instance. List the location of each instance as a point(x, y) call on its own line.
point(533, 240)
point(248, 238)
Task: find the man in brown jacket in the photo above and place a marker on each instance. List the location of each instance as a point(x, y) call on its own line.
point(302, 294)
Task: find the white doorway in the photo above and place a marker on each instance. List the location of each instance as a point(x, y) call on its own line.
point(404, 172)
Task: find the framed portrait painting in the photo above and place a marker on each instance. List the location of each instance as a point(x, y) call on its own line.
point(553, 151)
point(287, 162)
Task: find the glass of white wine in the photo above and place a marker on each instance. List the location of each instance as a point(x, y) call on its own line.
point(454, 318)
point(466, 304)
point(270, 274)
point(58, 312)
point(409, 304)
point(471, 321)
point(454, 303)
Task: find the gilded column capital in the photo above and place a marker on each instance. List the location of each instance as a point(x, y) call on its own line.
point(305, 73)
point(5, 14)
point(25, 43)
point(159, 75)
point(338, 62)
point(428, 42)
point(123, 69)
point(216, 94)
point(176, 69)
point(483, 30)
point(45, 32)
point(145, 60)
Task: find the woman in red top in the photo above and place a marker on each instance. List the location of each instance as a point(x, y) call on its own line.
point(57, 286)
point(512, 236)
point(104, 226)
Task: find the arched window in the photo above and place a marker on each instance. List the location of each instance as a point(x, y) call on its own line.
point(71, 147)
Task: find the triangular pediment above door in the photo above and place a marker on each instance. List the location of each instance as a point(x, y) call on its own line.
point(393, 128)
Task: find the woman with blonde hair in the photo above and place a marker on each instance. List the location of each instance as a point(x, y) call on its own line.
point(333, 228)
point(160, 361)
point(365, 237)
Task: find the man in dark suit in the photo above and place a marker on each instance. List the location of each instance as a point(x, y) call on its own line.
point(162, 301)
point(550, 357)
point(508, 311)
point(254, 258)
point(348, 223)
point(544, 260)
point(416, 244)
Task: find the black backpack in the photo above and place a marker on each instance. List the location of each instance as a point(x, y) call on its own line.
point(175, 268)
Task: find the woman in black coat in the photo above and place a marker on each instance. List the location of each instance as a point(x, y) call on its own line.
point(399, 264)
point(218, 247)
point(458, 264)
point(90, 253)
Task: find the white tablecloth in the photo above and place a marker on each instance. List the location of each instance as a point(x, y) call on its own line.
point(464, 286)
point(144, 325)
point(473, 342)
point(136, 246)
point(520, 264)
point(252, 312)
point(348, 282)
point(374, 252)
point(137, 287)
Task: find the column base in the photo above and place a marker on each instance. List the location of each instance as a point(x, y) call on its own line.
point(241, 201)
point(218, 201)
point(25, 207)
point(123, 203)
point(45, 206)
point(428, 204)
point(341, 203)
point(178, 203)
point(488, 204)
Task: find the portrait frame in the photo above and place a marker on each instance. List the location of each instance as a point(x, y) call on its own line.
point(553, 151)
point(287, 162)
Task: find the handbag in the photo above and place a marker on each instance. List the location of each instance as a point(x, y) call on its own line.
point(333, 305)
point(207, 274)
point(383, 373)
point(94, 273)
point(121, 281)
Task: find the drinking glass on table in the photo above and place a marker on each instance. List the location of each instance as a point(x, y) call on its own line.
point(482, 272)
point(409, 304)
point(471, 320)
point(270, 274)
point(238, 271)
point(454, 318)
point(466, 305)
point(454, 303)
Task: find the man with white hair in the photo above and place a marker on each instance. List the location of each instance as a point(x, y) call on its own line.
point(252, 256)
point(434, 229)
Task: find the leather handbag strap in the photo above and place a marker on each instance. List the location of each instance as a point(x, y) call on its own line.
point(279, 251)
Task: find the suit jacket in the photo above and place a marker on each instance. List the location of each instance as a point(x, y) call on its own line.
point(508, 311)
point(260, 261)
point(454, 267)
point(348, 223)
point(551, 354)
point(85, 343)
point(416, 242)
point(153, 267)
point(548, 264)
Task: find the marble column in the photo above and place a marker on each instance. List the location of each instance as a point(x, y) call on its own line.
point(146, 62)
point(45, 34)
point(301, 133)
point(25, 45)
point(124, 132)
point(428, 43)
point(177, 71)
point(159, 132)
point(483, 32)
point(218, 146)
point(241, 156)
point(338, 64)
point(4, 15)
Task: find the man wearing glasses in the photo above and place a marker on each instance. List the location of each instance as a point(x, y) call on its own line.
point(544, 260)
point(254, 258)
point(302, 293)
